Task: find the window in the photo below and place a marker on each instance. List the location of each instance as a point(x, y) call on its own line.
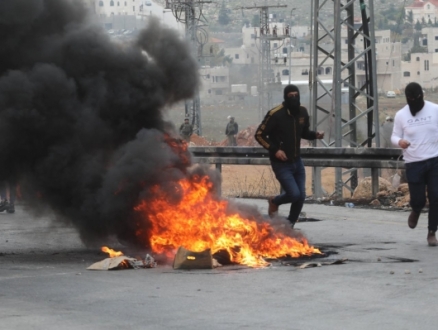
point(406, 74)
point(393, 62)
point(418, 73)
point(100, 3)
point(436, 50)
point(424, 42)
point(133, 8)
point(275, 45)
point(417, 59)
point(112, 3)
point(304, 72)
point(320, 70)
point(285, 72)
point(426, 65)
point(236, 56)
point(328, 70)
point(436, 37)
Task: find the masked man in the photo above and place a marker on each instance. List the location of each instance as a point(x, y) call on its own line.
point(281, 132)
point(416, 132)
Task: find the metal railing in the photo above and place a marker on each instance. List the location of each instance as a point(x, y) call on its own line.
point(373, 158)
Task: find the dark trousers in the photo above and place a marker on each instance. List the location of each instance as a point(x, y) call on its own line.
point(232, 140)
point(421, 176)
point(292, 178)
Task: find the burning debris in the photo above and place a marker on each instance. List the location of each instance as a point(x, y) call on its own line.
point(117, 260)
point(200, 220)
point(185, 259)
point(82, 127)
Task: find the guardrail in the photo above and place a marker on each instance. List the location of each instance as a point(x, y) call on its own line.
point(373, 158)
point(322, 157)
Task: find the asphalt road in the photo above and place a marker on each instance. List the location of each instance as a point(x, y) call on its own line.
point(388, 282)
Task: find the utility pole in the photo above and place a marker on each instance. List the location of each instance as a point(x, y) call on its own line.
point(189, 12)
point(266, 75)
point(289, 31)
point(341, 120)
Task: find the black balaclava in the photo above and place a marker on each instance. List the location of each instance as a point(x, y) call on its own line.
point(414, 97)
point(292, 103)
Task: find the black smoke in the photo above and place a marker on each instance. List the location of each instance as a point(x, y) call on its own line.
point(81, 123)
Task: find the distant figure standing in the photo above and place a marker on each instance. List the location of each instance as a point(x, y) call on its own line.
point(386, 132)
point(186, 130)
point(231, 131)
point(416, 132)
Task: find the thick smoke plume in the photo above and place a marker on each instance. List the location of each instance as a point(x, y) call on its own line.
point(81, 124)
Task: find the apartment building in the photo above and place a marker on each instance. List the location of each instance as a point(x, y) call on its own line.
point(423, 10)
point(388, 60)
point(118, 7)
point(423, 67)
point(291, 60)
point(215, 82)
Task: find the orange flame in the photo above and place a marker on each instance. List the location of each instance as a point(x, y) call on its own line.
point(198, 221)
point(112, 253)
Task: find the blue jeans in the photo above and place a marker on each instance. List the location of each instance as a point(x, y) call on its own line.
point(292, 178)
point(422, 175)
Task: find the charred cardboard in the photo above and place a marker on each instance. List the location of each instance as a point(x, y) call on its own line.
point(186, 259)
point(124, 262)
point(113, 263)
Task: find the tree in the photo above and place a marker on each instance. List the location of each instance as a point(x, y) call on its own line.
point(418, 26)
point(223, 18)
point(410, 17)
point(221, 59)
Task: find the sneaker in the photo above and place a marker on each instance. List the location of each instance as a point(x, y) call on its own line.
point(413, 219)
point(10, 208)
point(273, 208)
point(3, 205)
point(431, 239)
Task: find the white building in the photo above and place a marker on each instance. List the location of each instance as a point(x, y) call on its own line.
point(388, 61)
point(423, 67)
point(119, 7)
point(215, 82)
point(423, 9)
